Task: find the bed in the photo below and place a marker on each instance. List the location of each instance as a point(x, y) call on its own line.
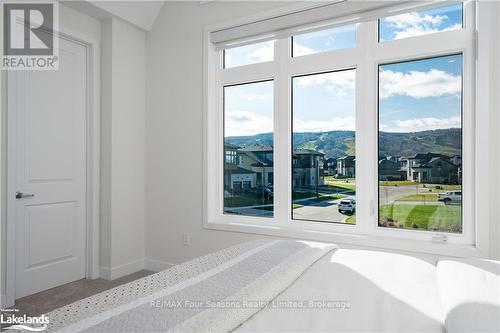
point(297, 286)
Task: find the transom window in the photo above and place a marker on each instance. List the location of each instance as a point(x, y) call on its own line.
point(362, 125)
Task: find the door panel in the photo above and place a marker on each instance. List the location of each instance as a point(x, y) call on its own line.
point(49, 108)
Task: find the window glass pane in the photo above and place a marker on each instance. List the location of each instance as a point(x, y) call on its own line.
point(420, 144)
point(323, 159)
point(421, 22)
point(249, 54)
point(248, 149)
point(325, 40)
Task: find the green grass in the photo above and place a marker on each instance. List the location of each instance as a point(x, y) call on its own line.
point(424, 197)
point(351, 219)
point(426, 217)
point(434, 187)
point(312, 196)
point(296, 205)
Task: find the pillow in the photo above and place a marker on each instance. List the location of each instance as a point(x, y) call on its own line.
point(470, 294)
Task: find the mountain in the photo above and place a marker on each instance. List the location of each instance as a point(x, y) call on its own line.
point(340, 143)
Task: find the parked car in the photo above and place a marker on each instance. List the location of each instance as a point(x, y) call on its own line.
point(450, 197)
point(347, 206)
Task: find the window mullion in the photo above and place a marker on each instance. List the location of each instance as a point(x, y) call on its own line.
point(366, 129)
point(282, 132)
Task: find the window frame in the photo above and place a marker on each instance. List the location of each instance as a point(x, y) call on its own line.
point(366, 232)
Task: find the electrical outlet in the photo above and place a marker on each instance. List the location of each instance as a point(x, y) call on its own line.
point(186, 239)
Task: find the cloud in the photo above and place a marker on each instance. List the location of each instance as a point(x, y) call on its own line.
point(335, 124)
point(419, 84)
point(301, 50)
point(241, 123)
point(264, 53)
point(416, 24)
point(421, 124)
point(339, 83)
point(251, 96)
point(418, 31)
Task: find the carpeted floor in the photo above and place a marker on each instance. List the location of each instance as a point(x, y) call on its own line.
point(54, 298)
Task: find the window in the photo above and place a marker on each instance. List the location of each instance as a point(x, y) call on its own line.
point(324, 40)
point(422, 22)
point(249, 54)
point(420, 121)
point(343, 135)
point(248, 134)
point(324, 159)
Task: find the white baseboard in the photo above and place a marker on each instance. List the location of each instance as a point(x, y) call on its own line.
point(109, 273)
point(156, 265)
point(117, 272)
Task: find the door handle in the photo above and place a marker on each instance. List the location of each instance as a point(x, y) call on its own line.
point(21, 195)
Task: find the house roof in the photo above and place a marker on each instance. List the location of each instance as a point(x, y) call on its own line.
point(347, 157)
point(240, 170)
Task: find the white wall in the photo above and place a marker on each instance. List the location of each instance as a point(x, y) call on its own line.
point(174, 129)
point(122, 143)
point(174, 132)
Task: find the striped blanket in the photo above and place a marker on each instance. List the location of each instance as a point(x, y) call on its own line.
point(214, 293)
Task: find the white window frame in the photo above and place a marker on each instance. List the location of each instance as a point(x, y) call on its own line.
point(474, 239)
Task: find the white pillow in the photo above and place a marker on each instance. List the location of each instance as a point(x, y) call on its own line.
point(470, 294)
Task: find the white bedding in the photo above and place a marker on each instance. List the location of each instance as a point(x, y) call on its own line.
point(387, 293)
point(344, 291)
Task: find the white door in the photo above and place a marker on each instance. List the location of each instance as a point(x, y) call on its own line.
point(47, 163)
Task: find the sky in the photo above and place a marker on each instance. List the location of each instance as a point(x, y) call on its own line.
point(413, 96)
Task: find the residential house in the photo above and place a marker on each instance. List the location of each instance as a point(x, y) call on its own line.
point(432, 168)
point(330, 167)
point(307, 167)
point(389, 169)
point(346, 167)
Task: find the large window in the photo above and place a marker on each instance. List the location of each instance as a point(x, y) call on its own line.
point(248, 146)
point(420, 144)
point(323, 156)
point(360, 126)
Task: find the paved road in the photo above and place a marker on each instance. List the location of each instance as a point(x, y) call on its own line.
point(389, 194)
point(323, 211)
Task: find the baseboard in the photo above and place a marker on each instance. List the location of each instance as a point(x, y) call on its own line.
point(156, 265)
point(109, 273)
point(117, 272)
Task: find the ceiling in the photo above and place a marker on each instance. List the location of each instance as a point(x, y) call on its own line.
point(140, 13)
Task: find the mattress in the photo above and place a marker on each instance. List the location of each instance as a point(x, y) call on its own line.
point(297, 286)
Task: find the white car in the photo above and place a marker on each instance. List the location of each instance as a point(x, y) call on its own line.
point(450, 197)
point(347, 206)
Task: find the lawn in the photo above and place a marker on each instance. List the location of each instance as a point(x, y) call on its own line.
point(397, 183)
point(424, 197)
point(426, 217)
point(312, 196)
point(351, 219)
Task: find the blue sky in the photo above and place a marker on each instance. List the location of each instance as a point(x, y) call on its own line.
point(422, 22)
point(414, 96)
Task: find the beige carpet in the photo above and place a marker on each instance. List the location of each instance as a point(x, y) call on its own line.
point(54, 298)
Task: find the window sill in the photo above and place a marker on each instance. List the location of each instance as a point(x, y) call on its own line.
point(379, 242)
